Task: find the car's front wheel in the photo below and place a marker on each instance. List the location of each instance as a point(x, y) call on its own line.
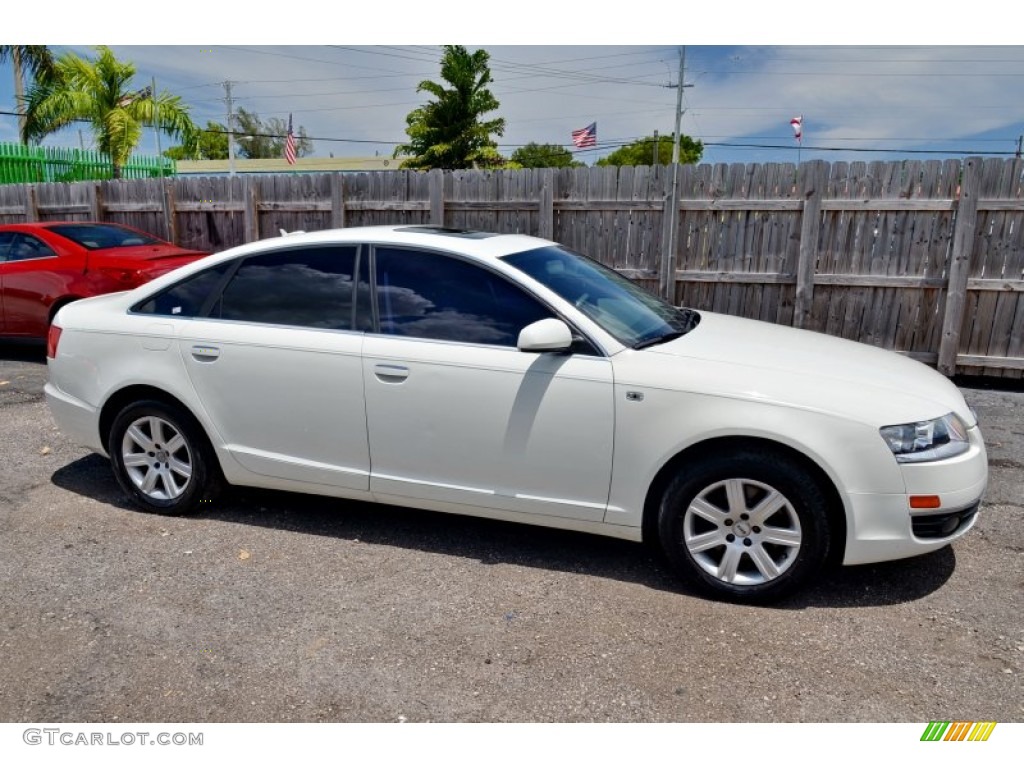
point(161, 458)
point(750, 527)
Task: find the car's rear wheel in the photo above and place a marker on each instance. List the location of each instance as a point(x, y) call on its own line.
point(750, 527)
point(161, 458)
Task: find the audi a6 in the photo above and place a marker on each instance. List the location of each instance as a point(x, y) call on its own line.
point(508, 377)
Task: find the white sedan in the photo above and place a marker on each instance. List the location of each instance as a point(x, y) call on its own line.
point(507, 377)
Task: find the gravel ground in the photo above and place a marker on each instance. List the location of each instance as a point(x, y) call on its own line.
point(275, 607)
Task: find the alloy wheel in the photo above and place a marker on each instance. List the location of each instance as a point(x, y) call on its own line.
point(742, 532)
point(157, 458)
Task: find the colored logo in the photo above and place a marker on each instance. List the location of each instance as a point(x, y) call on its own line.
point(957, 731)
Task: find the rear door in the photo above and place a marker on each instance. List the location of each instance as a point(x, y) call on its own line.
point(276, 364)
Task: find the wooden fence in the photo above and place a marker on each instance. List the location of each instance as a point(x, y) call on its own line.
point(922, 257)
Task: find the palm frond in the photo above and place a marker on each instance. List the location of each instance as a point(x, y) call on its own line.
point(100, 91)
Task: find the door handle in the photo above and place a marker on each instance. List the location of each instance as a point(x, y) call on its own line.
point(205, 354)
point(391, 374)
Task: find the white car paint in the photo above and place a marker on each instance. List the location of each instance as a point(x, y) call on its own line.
point(570, 441)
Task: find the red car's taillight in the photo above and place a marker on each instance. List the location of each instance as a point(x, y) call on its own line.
point(52, 340)
point(127, 278)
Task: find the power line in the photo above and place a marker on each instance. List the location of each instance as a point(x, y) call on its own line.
point(625, 141)
point(862, 149)
point(502, 65)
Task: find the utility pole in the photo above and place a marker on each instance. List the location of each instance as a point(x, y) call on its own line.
point(19, 90)
point(231, 134)
point(1020, 145)
point(668, 267)
point(679, 108)
point(654, 161)
point(156, 118)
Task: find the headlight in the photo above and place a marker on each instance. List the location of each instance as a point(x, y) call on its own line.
point(927, 440)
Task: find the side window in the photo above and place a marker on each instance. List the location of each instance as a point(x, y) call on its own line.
point(309, 287)
point(28, 247)
point(6, 239)
point(433, 296)
point(185, 299)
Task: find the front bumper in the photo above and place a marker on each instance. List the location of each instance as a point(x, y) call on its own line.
point(884, 527)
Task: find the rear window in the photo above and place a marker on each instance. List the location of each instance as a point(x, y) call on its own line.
point(185, 299)
point(96, 236)
point(305, 287)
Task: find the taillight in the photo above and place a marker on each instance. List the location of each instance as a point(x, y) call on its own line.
point(129, 278)
point(52, 340)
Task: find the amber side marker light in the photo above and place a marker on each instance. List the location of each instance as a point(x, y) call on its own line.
point(52, 339)
point(925, 502)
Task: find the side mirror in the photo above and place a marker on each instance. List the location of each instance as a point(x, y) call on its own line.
point(550, 335)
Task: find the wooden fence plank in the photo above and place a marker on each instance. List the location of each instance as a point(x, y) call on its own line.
point(170, 216)
point(956, 293)
point(810, 227)
point(670, 237)
point(437, 197)
point(31, 203)
point(252, 224)
point(337, 200)
point(546, 219)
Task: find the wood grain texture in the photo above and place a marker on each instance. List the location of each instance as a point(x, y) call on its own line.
point(922, 257)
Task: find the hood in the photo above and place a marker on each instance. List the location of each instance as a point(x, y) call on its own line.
point(748, 359)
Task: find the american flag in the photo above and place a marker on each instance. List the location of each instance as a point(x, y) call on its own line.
point(289, 144)
point(585, 137)
point(798, 127)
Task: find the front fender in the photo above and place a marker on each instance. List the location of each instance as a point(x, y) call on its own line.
point(651, 432)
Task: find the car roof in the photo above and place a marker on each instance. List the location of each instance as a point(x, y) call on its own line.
point(483, 245)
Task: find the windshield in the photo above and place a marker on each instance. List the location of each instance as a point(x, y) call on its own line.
point(96, 236)
point(620, 306)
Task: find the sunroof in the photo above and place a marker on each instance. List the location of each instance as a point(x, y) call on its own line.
point(469, 234)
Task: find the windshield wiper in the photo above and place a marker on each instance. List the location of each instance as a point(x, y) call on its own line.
point(659, 339)
point(689, 322)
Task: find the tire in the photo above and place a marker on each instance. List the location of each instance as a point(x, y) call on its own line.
point(747, 527)
point(162, 459)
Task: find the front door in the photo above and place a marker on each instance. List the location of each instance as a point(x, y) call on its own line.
point(457, 415)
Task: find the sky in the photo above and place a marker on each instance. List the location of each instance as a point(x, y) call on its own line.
point(930, 93)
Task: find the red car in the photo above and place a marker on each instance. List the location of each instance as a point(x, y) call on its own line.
point(46, 264)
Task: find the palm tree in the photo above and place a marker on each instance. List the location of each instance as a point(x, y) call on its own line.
point(448, 132)
point(37, 60)
point(99, 91)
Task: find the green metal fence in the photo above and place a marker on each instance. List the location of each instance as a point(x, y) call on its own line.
point(21, 164)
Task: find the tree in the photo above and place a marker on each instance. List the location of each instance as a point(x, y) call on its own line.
point(641, 152)
point(448, 132)
point(211, 144)
point(99, 91)
point(37, 60)
point(535, 155)
point(259, 139)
